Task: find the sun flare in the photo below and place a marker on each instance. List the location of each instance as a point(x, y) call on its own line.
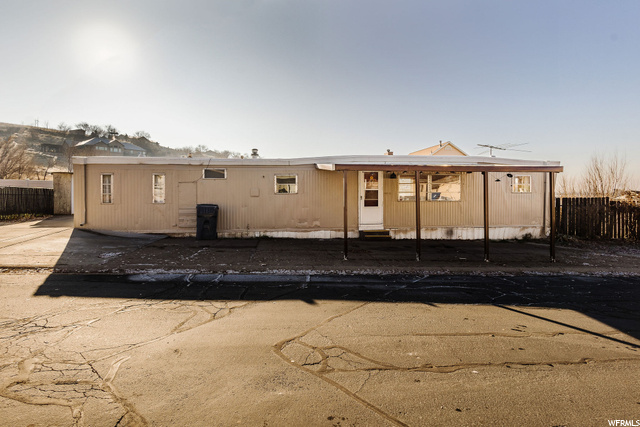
point(105, 49)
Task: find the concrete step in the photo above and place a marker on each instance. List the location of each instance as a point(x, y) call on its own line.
point(375, 235)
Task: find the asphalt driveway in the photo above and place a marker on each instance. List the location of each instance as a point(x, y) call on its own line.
point(202, 350)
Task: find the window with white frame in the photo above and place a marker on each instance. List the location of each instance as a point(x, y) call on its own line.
point(433, 187)
point(286, 184)
point(214, 173)
point(106, 180)
point(158, 187)
point(521, 184)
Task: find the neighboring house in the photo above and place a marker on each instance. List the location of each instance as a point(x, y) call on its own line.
point(56, 146)
point(98, 146)
point(442, 149)
point(306, 197)
point(133, 150)
point(95, 147)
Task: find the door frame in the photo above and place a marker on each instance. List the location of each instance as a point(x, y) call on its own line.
point(370, 218)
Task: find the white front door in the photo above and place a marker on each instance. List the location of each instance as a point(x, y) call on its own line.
point(370, 194)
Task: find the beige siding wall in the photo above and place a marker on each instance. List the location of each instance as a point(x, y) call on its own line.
point(506, 208)
point(247, 199)
point(132, 207)
point(248, 202)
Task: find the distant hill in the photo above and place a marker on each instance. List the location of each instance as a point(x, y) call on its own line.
point(35, 137)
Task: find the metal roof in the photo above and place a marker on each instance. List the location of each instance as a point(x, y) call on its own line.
point(335, 163)
point(130, 146)
point(92, 141)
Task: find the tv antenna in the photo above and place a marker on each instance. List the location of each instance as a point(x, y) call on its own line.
point(505, 147)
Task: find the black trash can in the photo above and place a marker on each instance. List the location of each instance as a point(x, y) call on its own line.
point(207, 222)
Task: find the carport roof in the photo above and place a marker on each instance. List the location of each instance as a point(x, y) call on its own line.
point(440, 164)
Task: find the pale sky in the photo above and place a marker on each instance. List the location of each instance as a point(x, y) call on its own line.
point(330, 77)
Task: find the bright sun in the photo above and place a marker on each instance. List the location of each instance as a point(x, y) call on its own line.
point(105, 49)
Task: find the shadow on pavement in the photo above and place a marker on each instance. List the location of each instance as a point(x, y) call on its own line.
point(90, 251)
point(610, 300)
point(58, 221)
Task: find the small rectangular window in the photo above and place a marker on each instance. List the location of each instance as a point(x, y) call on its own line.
point(214, 173)
point(286, 184)
point(522, 184)
point(107, 187)
point(158, 187)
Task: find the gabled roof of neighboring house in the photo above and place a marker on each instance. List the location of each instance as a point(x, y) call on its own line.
point(446, 148)
point(93, 141)
point(130, 146)
point(112, 142)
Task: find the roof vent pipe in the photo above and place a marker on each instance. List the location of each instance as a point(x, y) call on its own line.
point(254, 153)
point(440, 143)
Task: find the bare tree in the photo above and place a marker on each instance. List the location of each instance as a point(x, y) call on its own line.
point(64, 127)
point(42, 171)
point(15, 161)
point(96, 130)
point(68, 151)
point(110, 130)
point(142, 134)
point(567, 186)
point(605, 176)
point(84, 126)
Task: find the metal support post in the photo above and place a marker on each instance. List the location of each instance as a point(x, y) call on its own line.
point(485, 175)
point(418, 237)
point(346, 217)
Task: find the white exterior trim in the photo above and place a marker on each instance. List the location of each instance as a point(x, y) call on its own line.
point(322, 163)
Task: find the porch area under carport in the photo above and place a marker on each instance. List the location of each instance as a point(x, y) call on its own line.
point(417, 168)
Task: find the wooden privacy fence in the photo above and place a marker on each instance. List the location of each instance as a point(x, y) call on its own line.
point(15, 200)
point(597, 217)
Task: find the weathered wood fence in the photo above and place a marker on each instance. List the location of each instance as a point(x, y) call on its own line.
point(597, 217)
point(15, 200)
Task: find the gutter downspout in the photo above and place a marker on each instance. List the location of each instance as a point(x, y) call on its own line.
point(84, 201)
point(544, 206)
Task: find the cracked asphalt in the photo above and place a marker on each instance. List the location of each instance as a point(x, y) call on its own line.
point(87, 340)
point(169, 349)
